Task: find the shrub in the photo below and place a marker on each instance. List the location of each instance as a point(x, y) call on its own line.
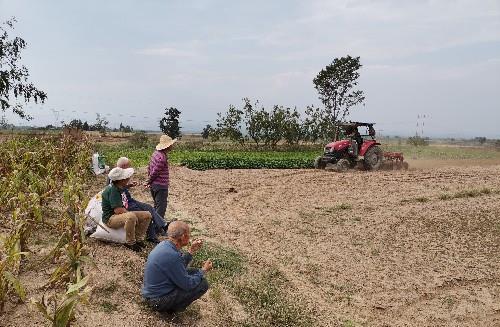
point(139, 140)
point(417, 141)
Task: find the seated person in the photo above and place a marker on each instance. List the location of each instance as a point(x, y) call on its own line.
point(357, 140)
point(169, 286)
point(158, 224)
point(114, 209)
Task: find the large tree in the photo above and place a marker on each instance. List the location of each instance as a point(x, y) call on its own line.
point(336, 85)
point(169, 124)
point(14, 86)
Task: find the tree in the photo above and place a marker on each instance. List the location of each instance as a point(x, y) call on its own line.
point(169, 124)
point(292, 131)
point(256, 121)
point(230, 125)
point(85, 126)
point(13, 76)
point(101, 125)
point(336, 85)
point(75, 123)
point(207, 131)
point(481, 139)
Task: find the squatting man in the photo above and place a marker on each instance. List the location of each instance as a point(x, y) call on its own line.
point(169, 285)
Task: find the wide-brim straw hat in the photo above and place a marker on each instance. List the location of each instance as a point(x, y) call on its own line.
point(118, 174)
point(165, 142)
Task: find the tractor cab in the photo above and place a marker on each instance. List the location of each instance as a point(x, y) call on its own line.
point(354, 147)
point(351, 132)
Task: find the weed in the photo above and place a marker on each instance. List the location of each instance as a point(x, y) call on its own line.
point(422, 199)
point(445, 197)
point(226, 262)
point(108, 307)
point(339, 207)
point(467, 194)
point(348, 323)
point(107, 289)
point(448, 302)
point(265, 298)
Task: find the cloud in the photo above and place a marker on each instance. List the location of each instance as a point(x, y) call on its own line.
point(168, 52)
point(386, 29)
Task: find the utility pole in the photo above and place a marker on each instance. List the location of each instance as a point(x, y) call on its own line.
point(420, 124)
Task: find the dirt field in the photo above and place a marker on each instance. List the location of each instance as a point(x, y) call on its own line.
point(355, 249)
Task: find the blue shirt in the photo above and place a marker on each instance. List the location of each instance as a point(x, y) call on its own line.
point(166, 270)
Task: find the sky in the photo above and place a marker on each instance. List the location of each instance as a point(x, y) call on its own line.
point(129, 60)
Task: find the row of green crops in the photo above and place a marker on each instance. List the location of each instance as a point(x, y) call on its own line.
point(217, 159)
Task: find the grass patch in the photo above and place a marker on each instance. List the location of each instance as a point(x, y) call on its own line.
point(420, 199)
point(467, 194)
point(262, 296)
point(108, 289)
point(226, 262)
point(108, 307)
point(442, 152)
point(348, 323)
point(266, 300)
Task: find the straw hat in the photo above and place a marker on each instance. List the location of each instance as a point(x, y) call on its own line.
point(117, 173)
point(165, 142)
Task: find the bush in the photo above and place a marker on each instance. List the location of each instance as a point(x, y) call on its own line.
point(139, 140)
point(417, 141)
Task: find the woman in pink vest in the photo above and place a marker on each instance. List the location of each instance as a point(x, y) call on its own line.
point(158, 174)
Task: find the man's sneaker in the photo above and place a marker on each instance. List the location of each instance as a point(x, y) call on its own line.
point(134, 247)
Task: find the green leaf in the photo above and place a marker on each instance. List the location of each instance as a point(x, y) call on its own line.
point(16, 284)
point(65, 313)
point(76, 287)
point(42, 308)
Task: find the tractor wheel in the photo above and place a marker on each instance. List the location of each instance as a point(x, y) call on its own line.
point(318, 163)
point(373, 158)
point(343, 165)
point(405, 165)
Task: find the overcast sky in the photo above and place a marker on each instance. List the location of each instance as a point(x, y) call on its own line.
point(130, 59)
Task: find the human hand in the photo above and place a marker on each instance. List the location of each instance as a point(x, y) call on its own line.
point(207, 266)
point(195, 246)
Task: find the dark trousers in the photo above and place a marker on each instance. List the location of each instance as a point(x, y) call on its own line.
point(160, 197)
point(157, 224)
point(178, 299)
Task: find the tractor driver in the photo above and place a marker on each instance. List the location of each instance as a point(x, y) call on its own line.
point(357, 140)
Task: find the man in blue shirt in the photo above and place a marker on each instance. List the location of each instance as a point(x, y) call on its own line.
point(169, 286)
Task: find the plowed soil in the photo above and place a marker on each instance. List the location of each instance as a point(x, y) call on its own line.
point(388, 248)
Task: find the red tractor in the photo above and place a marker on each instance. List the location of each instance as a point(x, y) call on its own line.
point(358, 148)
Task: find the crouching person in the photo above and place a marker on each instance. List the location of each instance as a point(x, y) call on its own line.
point(169, 285)
point(114, 209)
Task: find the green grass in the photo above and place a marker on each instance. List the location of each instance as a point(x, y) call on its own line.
point(262, 295)
point(442, 152)
point(467, 194)
point(108, 307)
point(226, 262)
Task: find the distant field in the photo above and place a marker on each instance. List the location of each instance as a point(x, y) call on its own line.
point(207, 155)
